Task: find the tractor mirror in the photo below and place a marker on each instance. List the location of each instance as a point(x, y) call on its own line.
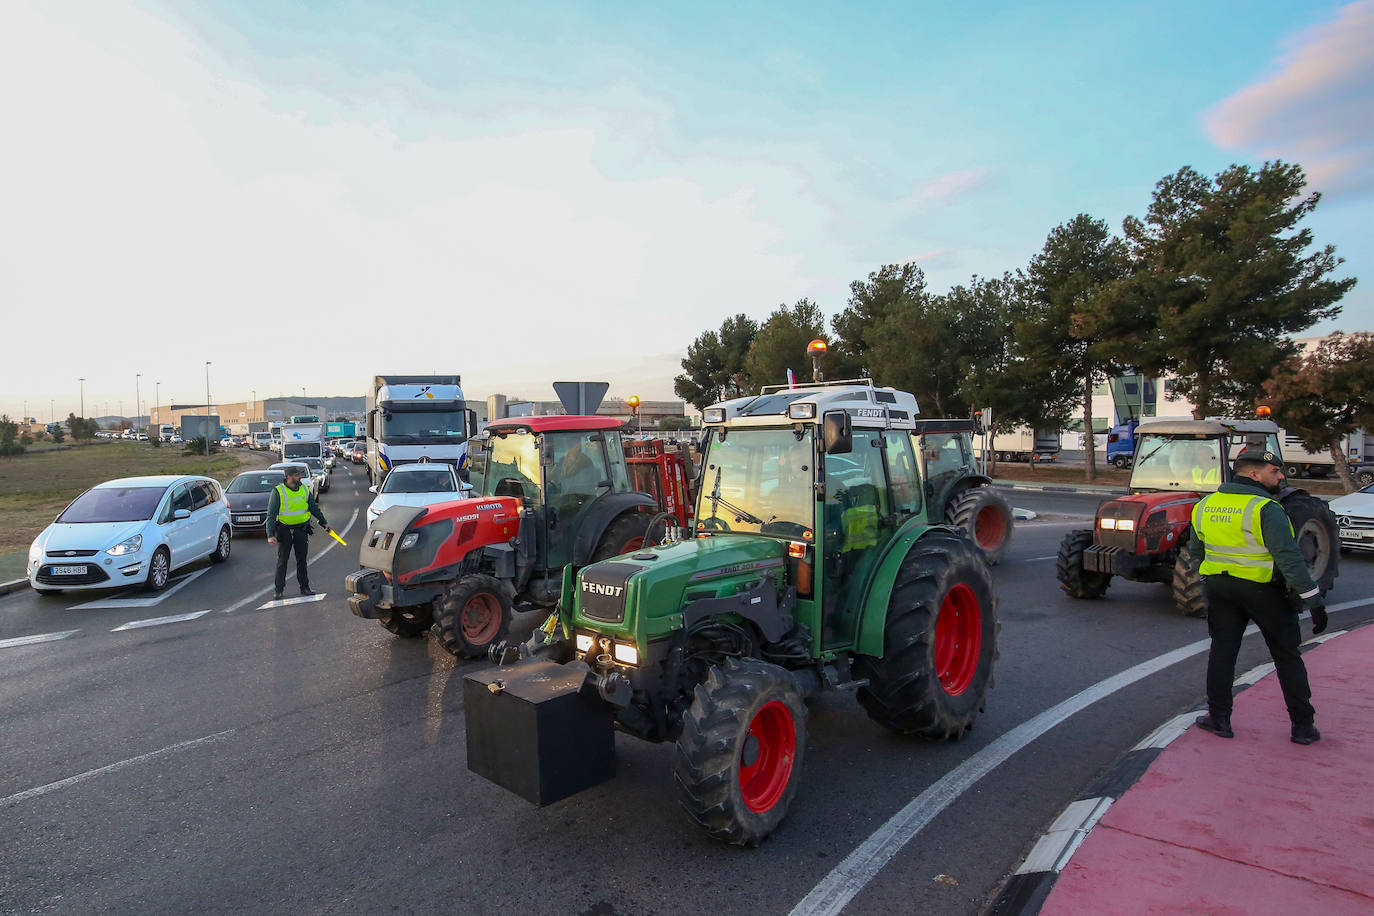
point(837, 433)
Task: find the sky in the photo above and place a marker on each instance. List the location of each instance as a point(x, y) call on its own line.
point(309, 194)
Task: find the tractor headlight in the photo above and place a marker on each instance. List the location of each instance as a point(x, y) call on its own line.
point(626, 653)
point(410, 540)
point(1125, 524)
point(713, 415)
point(1106, 524)
point(132, 545)
point(801, 411)
point(584, 643)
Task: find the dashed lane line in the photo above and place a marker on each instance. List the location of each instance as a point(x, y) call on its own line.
point(159, 621)
point(284, 602)
point(31, 640)
point(101, 771)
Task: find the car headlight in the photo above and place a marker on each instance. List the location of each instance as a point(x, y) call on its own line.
point(35, 552)
point(132, 545)
point(410, 540)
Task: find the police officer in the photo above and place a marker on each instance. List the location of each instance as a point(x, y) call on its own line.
point(1251, 563)
point(288, 526)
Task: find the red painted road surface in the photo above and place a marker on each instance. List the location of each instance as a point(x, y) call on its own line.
point(1253, 825)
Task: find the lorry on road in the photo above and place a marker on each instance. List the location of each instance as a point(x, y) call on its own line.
point(340, 430)
point(1023, 444)
point(1121, 444)
point(410, 417)
point(302, 440)
point(166, 431)
point(817, 562)
point(1358, 448)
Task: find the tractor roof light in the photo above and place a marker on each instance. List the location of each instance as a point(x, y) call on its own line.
point(1263, 411)
point(713, 415)
point(817, 347)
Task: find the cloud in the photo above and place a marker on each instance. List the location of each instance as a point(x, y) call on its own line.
point(950, 186)
point(1316, 108)
point(939, 257)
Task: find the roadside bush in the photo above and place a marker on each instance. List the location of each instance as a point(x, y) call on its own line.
point(197, 446)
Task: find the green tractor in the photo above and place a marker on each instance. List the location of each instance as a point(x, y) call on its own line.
point(817, 561)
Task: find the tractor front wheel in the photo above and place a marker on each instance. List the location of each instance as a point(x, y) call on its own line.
point(408, 623)
point(986, 516)
point(740, 752)
point(1076, 581)
point(1319, 538)
point(939, 642)
point(1187, 585)
point(473, 614)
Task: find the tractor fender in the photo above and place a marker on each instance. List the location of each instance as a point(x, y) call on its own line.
point(973, 480)
point(879, 589)
point(599, 515)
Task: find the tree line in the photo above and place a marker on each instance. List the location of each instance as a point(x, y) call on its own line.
point(1208, 287)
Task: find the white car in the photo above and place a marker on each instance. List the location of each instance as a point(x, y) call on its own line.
point(1355, 518)
point(421, 484)
point(131, 531)
point(311, 480)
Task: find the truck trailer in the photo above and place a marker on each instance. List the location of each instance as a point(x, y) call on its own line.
point(415, 417)
point(1023, 444)
point(302, 440)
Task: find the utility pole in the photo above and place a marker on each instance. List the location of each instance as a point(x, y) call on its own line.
point(138, 400)
point(83, 397)
point(207, 418)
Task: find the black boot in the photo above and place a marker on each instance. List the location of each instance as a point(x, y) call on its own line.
point(1305, 734)
point(1218, 725)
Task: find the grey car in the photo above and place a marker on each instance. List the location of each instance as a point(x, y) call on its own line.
point(249, 494)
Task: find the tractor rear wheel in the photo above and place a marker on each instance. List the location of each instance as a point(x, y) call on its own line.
point(1314, 525)
point(740, 752)
point(472, 614)
point(1186, 586)
point(623, 535)
point(939, 642)
point(986, 516)
point(1076, 581)
point(408, 623)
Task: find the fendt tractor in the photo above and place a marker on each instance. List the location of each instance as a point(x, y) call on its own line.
point(1144, 536)
point(816, 561)
point(546, 493)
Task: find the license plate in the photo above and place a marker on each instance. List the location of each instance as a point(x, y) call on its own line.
point(245, 519)
point(1356, 535)
point(69, 570)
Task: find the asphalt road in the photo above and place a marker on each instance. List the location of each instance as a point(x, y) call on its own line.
point(298, 759)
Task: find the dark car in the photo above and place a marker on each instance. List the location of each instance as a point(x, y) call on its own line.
point(359, 454)
point(248, 495)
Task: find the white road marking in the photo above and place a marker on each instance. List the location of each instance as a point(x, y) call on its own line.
point(263, 591)
point(159, 621)
point(142, 600)
point(283, 602)
point(81, 777)
point(30, 640)
point(1053, 556)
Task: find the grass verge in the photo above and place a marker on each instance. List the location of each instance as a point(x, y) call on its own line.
point(34, 487)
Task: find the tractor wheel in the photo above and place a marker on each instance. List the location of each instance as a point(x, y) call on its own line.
point(940, 642)
point(623, 535)
point(1076, 581)
point(409, 623)
point(1314, 524)
point(740, 752)
point(986, 516)
point(473, 614)
point(1187, 585)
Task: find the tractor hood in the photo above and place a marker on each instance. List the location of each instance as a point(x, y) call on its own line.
point(643, 594)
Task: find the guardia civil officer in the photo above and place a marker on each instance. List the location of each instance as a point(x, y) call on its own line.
point(288, 526)
point(1252, 564)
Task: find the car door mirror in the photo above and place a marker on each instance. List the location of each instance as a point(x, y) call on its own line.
point(180, 514)
point(465, 487)
point(372, 489)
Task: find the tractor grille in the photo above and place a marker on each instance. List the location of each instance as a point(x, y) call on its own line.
point(601, 594)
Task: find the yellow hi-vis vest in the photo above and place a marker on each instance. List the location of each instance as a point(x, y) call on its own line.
point(1229, 526)
point(295, 504)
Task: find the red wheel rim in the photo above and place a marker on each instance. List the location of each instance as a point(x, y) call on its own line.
point(958, 639)
point(631, 544)
point(987, 527)
point(481, 618)
point(770, 748)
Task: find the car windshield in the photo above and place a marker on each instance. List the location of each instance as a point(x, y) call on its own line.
point(436, 481)
point(256, 482)
point(1177, 463)
point(422, 426)
point(114, 504)
point(758, 480)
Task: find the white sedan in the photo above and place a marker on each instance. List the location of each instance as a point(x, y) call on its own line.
point(422, 484)
point(131, 531)
point(1355, 518)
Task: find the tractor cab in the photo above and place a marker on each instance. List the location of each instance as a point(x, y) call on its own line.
point(1194, 456)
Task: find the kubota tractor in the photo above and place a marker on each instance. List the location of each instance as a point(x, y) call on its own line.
point(1144, 536)
point(818, 562)
point(548, 493)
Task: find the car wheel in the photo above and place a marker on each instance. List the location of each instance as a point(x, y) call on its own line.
point(159, 569)
point(221, 546)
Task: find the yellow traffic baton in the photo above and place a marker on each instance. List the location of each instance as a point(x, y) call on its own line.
point(336, 537)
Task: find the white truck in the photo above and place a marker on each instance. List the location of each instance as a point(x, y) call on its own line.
point(302, 440)
point(410, 417)
point(166, 431)
point(1021, 444)
point(1298, 461)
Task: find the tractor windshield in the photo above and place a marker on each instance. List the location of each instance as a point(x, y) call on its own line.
point(759, 481)
point(1177, 463)
point(506, 466)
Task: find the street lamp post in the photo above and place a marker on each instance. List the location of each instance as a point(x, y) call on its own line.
point(207, 418)
point(138, 400)
point(157, 405)
point(83, 396)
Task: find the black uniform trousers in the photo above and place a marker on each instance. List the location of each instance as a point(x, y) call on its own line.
point(1231, 604)
point(289, 538)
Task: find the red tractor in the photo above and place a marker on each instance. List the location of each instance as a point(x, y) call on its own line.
point(547, 492)
point(1144, 536)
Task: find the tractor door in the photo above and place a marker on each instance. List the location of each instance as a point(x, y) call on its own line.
point(946, 459)
point(583, 466)
point(859, 521)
